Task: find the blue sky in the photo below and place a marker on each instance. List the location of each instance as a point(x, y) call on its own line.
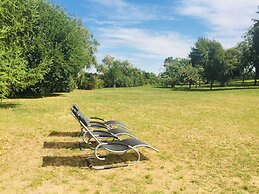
point(145, 32)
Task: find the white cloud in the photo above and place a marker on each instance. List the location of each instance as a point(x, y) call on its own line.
point(228, 19)
point(121, 12)
point(158, 44)
point(147, 48)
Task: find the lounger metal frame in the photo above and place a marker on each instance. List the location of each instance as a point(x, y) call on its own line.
point(86, 137)
point(103, 145)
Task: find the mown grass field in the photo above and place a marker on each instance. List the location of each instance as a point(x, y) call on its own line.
point(208, 142)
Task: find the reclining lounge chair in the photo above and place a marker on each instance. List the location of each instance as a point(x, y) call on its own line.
point(107, 133)
point(120, 147)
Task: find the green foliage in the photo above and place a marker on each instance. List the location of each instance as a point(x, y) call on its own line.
point(117, 73)
point(191, 75)
point(89, 81)
point(179, 71)
point(18, 25)
point(150, 78)
point(210, 55)
point(245, 57)
point(71, 48)
point(172, 74)
point(199, 53)
point(254, 33)
point(249, 50)
point(215, 68)
point(42, 49)
point(234, 68)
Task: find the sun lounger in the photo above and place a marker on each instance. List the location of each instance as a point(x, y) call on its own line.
point(106, 133)
point(119, 147)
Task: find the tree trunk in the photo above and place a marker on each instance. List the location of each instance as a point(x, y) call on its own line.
point(211, 84)
point(190, 85)
point(256, 76)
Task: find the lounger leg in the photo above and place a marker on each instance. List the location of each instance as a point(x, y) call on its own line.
point(138, 159)
point(82, 147)
point(89, 161)
point(81, 132)
point(83, 135)
point(96, 152)
point(108, 167)
point(88, 141)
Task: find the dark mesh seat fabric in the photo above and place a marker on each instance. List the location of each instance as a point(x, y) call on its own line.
point(116, 147)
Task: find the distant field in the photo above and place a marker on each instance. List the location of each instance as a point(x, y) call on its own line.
point(208, 142)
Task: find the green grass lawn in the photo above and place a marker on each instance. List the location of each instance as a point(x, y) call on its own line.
point(208, 142)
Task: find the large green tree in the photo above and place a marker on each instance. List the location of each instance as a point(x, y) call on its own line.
point(210, 55)
point(111, 71)
point(179, 71)
point(120, 73)
point(245, 57)
point(19, 33)
point(71, 48)
point(249, 49)
point(42, 49)
point(234, 67)
point(254, 31)
point(173, 68)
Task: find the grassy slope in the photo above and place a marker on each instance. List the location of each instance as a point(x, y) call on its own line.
point(208, 142)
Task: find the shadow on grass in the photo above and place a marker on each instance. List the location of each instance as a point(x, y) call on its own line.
point(113, 159)
point(35, 96)
point(75, 161)
point(207, 89)
point(80, 161)
point(63, 145)
point(6, 105)
point(64, 134)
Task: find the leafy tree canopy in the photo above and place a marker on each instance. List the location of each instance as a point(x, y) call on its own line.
point(42, 49)
point(117, 73)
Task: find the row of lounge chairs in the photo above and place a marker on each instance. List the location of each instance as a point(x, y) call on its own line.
point(100, 134)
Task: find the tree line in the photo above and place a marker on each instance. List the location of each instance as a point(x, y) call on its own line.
point(115, 73)
point(209, 62)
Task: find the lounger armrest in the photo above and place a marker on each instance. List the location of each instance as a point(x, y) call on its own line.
point(106, 134)
point(114, 122)
point(97, 118)
point(97, 124)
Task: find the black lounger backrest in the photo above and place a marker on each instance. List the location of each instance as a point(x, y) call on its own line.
point(74, 106)
point(81, 117)
point(75, 112)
